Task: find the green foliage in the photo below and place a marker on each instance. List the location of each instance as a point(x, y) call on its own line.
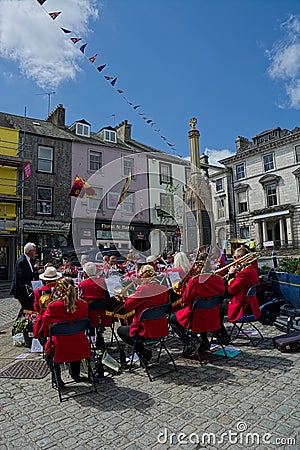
point(289, 265)
point(20, 325)
point(264, 269)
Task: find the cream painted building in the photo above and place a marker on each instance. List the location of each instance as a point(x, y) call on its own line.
point(261, 190)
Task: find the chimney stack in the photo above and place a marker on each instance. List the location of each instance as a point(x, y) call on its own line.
point(57, 117)
point(124, 131)
point(240, 143)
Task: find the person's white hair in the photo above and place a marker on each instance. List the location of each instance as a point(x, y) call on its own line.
point(29, 246)
point(90, 269)
point(181, 261)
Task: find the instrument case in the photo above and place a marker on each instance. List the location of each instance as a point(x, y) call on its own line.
point(287, 342)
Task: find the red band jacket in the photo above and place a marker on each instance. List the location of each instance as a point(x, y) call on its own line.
point(238, 287)
point(67, 348)
point(146, 296)
point(203, 286)
point(93, 289)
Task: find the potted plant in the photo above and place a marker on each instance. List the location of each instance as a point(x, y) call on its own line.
point(24, 325)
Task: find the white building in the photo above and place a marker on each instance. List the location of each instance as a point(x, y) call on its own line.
point(261, 190)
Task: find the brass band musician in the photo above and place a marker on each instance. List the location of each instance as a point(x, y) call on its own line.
point(180, 268)
point(93, 288)
point(49, 278)
point(149, 293)
point(199, 286)
point(239, 281)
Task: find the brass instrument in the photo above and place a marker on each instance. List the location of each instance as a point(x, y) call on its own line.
point(46, 299)
point(148, 273)
point(240, 264)
point(121, 293)
point(196, 270)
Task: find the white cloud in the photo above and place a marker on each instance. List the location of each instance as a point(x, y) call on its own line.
point(37, 44)
point(216, 155)
point(285, 60)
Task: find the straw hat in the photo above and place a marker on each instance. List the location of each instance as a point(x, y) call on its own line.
point(151, 259)
point(50, 274)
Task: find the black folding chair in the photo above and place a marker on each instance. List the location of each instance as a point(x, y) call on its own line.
point(70, 328)
point(249, 321)
point(193, 334)
point(100, 305)
point(153, 314)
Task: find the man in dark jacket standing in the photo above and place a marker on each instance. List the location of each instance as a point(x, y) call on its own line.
point(24, 274)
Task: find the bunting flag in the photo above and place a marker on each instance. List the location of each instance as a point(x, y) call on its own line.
point(54, 15)
point(100, 68)
point(27, 170)
point(41, 2)
point(112, 80)
point(125, 189)
point(75, 40)
point(92, 58)
point(82, 48)
point(76, 187)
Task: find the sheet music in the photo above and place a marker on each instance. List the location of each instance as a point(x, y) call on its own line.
point(36, 284)
point(36, 346)
point(111, 283)
point(173, 276)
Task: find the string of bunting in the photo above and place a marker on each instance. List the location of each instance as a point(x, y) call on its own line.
point(112, 80)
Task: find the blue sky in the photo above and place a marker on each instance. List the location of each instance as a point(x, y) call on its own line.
point(235, 65)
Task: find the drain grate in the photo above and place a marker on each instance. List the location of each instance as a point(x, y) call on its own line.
point(25, 369)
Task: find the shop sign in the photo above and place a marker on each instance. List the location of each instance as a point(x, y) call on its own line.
point(116, 227)
point(43, 225)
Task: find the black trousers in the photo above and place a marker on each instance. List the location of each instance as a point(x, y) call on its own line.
point(123, 333)
point(74, 368)
point(181, 331)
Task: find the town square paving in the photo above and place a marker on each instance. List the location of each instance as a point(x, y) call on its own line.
point(249, 401)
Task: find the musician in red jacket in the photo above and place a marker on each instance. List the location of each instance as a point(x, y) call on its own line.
point(149, 293)
point(180, 268)
point(94, 288)
point(67, 348)
point(49, 278)
point(202, 285)
point(240, 279)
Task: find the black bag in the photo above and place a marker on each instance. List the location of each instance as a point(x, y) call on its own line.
point(288, 319)
point(289, 310)
point(270, 311)
point(287, 342)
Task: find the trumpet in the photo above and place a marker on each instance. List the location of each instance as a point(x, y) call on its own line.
point(179, 285)
point(240, 264)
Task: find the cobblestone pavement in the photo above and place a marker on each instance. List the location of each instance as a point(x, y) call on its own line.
point(250, 401)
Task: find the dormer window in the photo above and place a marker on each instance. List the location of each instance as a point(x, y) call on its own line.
point(110, 136)
point(82, 129)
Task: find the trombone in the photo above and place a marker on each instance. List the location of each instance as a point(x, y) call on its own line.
point(197, 267)
point(240, 264)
